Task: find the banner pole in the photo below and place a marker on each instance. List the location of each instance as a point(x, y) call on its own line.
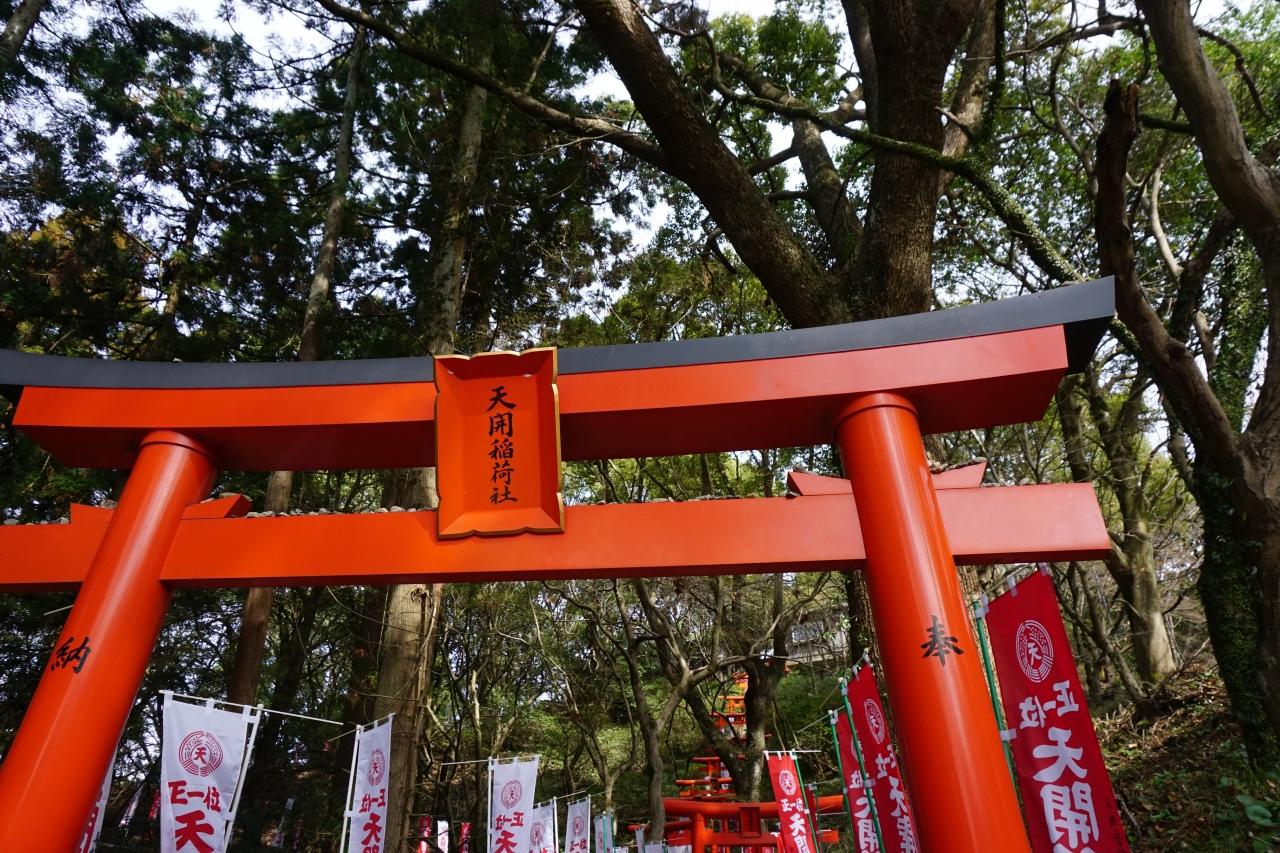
point(251, 720)
point(812, 813)
point(555, 824)
point(844, 780)
point(984, 644)
point(351, 786)
point(488, 827)
point(862, 764)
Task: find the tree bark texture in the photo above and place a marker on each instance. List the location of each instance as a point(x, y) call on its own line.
point(18, 27)
point(914, 43)
point(1250, 190)
point(1243, 625)
point(1132, 563)
point(790, 273)
point(255, 620)
point(410, 622)
point(406, 651)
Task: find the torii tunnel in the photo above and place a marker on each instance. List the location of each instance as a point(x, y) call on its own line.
point(872, 388)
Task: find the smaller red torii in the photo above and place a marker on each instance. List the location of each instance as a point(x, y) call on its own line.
point(702, 823)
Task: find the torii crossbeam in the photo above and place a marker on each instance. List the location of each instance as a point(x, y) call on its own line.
point(873, 388)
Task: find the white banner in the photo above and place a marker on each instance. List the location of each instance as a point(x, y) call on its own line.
point(366, 813)
point(127, 818)
point(542, 828)
point(640, 839)
point(577, 827)
point(655, 847)
point(604, 832)
point(205, 753)
point(442, 835)
point(93, 826)
point(511, 804)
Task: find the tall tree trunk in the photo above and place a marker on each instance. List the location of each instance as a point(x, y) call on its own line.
point(246, 668)
point(410, 624)
point(793, 277)
point(173, 278)
point(15, 31)
point(914, 42)
point(650, 725)
point(262, 786)
point(1132, 562)
point(1238, 590)
point(404, 668)
point(1239, 467)
point(364, 624)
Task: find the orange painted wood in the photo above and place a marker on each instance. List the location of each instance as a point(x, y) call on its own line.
point(985, 525)
point(804, 483)
point(54, 767)
point(742, 405)
point(498, 424)
point(952, 759)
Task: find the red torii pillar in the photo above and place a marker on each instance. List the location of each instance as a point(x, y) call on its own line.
point(874, 386)
point(941, 710)
point(75, 718)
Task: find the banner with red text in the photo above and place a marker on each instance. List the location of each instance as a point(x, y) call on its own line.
point(542, 829)
point(577, 827)
point(869, 723)
point(464, 838)
point(511, 786)
point(370, 778)
point(855, 789)
point(204, 755)
point(793, 807)
point(1065, 787)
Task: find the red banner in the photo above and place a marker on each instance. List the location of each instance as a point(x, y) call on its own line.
point(855, 794)
point(1065, 787)
point(793, 807)
point(896, 823)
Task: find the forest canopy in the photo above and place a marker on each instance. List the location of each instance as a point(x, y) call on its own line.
point(322, 179)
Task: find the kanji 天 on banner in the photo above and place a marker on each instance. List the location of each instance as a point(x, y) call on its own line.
point(793, 806)
point(542, 828)
point(370, 778)
point(577, 827)
point(1065, 787)
point(856, 797)
point(203, 755)
point(872, 730)
point(511, 787)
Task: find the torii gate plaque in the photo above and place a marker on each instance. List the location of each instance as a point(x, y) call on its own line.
point(872, 387)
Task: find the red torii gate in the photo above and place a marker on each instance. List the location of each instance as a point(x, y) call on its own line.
point(872, 387)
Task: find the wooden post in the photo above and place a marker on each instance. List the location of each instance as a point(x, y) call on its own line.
point(953, 763)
